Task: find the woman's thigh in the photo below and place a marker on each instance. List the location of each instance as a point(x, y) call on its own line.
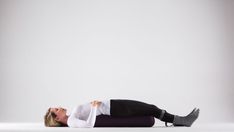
point(120, 107)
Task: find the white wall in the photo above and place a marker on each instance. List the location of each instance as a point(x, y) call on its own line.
point(176, 54)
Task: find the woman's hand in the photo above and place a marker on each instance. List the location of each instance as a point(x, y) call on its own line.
point(96, 103)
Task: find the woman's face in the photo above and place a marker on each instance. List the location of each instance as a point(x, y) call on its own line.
point(59, 112)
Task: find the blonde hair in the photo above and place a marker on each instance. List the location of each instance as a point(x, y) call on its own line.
point(49, 120)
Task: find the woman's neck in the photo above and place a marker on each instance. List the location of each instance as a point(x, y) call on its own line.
point(64, 121)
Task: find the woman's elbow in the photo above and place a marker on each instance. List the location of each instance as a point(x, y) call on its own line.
point(89, 126)
point(81, 126)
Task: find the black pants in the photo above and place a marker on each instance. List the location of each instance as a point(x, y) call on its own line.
point(121, 108)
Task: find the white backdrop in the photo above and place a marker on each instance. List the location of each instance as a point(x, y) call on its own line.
point(176, 54)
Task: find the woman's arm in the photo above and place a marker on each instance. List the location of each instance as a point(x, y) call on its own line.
point(90, 122)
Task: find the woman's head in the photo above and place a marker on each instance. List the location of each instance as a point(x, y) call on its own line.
point(55, 117)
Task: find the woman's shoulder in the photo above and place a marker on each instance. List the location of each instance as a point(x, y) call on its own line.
point(76, 110)
point(79, 108)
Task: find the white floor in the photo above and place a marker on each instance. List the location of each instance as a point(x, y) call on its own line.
point(36, 127)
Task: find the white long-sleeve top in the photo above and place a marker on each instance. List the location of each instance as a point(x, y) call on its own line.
point(85, 115)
